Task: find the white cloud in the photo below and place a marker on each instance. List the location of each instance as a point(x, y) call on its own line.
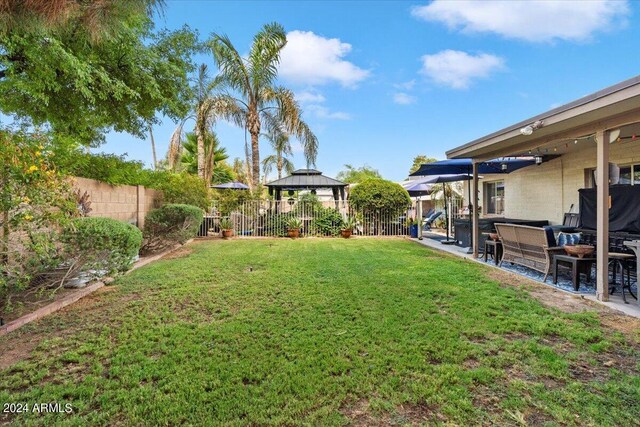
point(458, 69)
point(309, 97)
point(405, 85)
point(403, 98)
point(311, 59)
point(535, 21)
point(323, 112)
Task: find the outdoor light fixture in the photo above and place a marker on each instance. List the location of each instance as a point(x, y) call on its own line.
point(528, 130)
point(538, 160)
point(614, 135)
point(504, 167)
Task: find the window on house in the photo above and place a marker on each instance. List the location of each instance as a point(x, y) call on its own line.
point(629, 175)
point(494, 197)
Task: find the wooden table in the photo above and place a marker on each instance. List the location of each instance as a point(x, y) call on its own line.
point(578, 265)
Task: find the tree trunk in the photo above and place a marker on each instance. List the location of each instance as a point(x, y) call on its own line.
point(153, 147)
point(279, 166)
point(254, 129)
point(200, 134)
point(4, 254)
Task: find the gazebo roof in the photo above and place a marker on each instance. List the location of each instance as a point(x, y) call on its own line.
point(306, 178)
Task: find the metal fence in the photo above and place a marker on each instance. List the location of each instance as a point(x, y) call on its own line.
point(319, 218)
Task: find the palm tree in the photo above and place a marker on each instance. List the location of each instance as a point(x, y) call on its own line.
point(97, 18)
point(240, 170)
point(214, 154)
point(250, 98)
point(280, 143)
point(203, 114)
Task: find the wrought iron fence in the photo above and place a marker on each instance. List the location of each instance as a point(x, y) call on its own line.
point(318, 218)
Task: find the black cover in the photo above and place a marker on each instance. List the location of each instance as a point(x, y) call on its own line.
point(462, 228)
point(624, 215)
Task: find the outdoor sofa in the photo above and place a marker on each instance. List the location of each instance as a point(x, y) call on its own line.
point(531, 247)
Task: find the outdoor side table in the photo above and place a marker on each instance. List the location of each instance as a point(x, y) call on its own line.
point(493, 248)
point(578, 265)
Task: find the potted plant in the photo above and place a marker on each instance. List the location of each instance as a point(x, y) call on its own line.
point(412, 225)
point(294, 226)
point(226, 226)
point(347, 227)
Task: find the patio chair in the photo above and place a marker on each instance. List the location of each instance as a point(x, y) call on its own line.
point(428, 222)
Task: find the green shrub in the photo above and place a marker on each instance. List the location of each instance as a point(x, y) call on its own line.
point(184, 189)
point(101, 244)
point(170, 224)
point(326, 222)
point(381, 196)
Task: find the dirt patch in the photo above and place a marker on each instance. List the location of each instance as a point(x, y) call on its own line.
point(360, 414)
point(181, 252)
point(27, 302)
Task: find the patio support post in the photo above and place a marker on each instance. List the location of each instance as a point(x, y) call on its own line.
point(602, 217)
point(474, 213)
point(419, 217)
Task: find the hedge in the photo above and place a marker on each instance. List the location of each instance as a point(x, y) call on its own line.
point(171, 224)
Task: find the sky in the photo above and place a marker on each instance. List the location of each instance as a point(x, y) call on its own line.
point(383, 81)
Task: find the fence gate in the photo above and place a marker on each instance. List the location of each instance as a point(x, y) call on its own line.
point(319, 218)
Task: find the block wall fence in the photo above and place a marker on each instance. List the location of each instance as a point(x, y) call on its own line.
point(128, 203)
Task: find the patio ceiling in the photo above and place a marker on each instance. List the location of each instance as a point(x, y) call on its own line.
point(610, 108)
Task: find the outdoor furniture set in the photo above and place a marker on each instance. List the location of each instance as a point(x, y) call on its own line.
point(539, 249)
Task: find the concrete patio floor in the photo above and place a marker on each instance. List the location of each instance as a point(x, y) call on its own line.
point(433, 240)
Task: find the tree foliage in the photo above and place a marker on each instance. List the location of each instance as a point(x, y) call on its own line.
point(379, 195)
point(250, 97)
point(215, 155)
point(354, 175)
point(60, 76)
point(419, 160)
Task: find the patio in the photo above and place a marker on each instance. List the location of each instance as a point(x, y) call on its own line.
point(587, 290)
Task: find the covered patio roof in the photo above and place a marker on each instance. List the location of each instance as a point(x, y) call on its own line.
point(606, 109)
point(601, 117)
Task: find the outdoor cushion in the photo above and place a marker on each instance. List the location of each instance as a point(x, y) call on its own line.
point(569, 239)
point(551, 237)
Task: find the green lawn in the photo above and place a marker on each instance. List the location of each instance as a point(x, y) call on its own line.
point(322, 331)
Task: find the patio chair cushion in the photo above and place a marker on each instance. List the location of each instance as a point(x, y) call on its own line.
point(569, 238)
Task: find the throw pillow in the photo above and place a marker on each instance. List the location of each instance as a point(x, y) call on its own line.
point(569, 238)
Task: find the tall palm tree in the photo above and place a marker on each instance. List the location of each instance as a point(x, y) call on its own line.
point(203, 114)
point(250, 98)
point(282, 147)
point(214, 154)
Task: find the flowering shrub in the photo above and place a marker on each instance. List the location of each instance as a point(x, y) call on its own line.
point(34, 202)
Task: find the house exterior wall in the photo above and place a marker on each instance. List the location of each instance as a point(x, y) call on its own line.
point(126, 203)
point(548, 191)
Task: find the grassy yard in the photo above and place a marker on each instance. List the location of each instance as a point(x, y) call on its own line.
point(321, 331)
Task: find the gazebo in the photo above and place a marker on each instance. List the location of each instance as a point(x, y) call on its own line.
point(307, 179)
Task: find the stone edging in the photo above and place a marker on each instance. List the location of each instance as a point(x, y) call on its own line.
point(75, 296)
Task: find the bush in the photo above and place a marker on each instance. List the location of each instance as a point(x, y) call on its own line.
point(327, 222)
point(171, 224)
point(379, 195)
point(183, 188)
point(103, 245)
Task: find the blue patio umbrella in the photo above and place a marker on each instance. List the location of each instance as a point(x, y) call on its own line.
point(418, 188)
point(436, 179)
point(465, 166)
point(233, 185)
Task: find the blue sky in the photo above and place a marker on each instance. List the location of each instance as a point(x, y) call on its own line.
point(381, 82)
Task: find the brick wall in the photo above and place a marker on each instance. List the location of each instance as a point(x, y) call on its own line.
point(548, 191)
point(126, 203)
